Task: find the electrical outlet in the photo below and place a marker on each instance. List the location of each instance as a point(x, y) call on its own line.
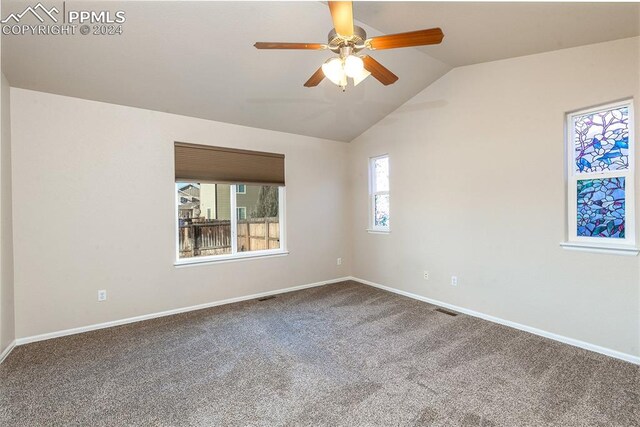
point(339, 261)
point(425, 275)
point(102, 295)
point(454, 280)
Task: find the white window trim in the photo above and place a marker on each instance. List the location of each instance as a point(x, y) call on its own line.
point(377, 231)
point(372, 196)
point(234, 255)
point(241, 208)
point(242, 256)
point(242, 192)
point(626, 246)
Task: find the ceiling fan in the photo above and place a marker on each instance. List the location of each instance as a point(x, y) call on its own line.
point(347, 40)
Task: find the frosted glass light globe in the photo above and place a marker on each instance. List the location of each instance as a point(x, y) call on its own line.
point(360, 77)
point(353, 66)
point(334, 71)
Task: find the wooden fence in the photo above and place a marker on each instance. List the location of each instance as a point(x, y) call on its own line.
point(214, 237)
point(258, 234)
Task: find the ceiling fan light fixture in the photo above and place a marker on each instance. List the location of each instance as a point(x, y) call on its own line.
point(353, 66)
point(334, 71)
point(347, 39)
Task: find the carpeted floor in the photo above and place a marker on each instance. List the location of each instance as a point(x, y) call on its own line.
point(338, 355)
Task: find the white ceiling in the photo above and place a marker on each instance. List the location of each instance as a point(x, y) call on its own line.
point(197, 58)
point(481, 32)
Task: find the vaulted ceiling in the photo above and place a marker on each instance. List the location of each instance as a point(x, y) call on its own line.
point(197, 58)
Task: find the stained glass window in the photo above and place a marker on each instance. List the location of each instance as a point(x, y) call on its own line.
point(600, 206)
point(601, 140)
point(601, 175)
point(381, 217)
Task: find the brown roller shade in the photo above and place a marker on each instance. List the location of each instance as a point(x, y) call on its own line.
point(203, 163)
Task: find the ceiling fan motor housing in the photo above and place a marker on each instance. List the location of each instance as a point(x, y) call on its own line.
point(356, 41)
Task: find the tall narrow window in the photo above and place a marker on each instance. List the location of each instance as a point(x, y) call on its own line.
point(600, 147)
point(219, 218)
point(379, 193)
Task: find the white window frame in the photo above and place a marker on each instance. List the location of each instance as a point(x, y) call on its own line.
point(234, 255)
point(241, 209)
point(373, 192)
point(623, 246)
point(244, 189)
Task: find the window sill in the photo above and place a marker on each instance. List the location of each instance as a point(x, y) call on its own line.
point(602, 249)
point(377, 231)
point(228, 258)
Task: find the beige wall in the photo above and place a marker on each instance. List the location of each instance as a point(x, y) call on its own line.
point(478, 191)
point(7, 328)
point(85, 175)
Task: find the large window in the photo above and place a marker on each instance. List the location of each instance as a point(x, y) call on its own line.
point(218, 220)
point(379, 193)
point(600, 147)
point(206, 227)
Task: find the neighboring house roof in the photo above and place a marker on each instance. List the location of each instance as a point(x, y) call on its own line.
point(189, 191)
point(189, 186)
point(189, 205)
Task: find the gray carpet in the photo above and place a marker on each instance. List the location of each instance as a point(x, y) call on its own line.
point(338, 355)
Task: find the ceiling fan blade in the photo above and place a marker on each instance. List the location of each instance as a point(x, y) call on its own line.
point(315, 79)
point(379, 71)
point(413, 38)
point(342, 15)
point(277, 45)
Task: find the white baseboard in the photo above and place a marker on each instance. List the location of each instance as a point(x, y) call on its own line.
point(73, 331)
point(571, 341)
point(7, 350)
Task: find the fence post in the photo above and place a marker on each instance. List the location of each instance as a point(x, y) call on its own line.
point(196, 250)
point(248, 235)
